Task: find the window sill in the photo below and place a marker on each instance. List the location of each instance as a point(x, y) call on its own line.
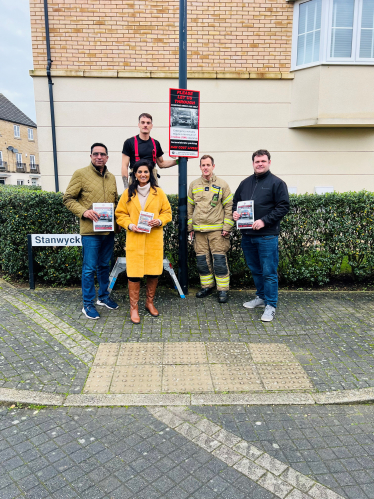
point(331, 122)
point(332, 63)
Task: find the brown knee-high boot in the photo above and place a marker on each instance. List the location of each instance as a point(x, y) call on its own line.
point(134, 288)
point(151, 291)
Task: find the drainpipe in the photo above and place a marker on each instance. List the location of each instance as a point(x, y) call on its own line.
point(50, 86)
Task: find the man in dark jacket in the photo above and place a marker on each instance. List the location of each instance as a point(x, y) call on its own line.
point(260, 244)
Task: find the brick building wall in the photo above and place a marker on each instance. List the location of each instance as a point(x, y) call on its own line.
point(142, 35)
point(23, 144)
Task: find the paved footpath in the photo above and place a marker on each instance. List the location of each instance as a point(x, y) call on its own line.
point(195, 451)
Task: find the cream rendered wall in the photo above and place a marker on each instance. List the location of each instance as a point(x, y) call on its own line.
point(237, 117)
point(333, 96)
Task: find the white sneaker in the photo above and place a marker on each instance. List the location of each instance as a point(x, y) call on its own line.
point(269, 314)
point(257, 302)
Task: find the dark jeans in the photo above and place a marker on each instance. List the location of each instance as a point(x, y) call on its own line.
point(97, 252)
point(261, 256)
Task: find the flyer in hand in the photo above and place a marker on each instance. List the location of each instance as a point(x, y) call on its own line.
point(144, 218)
point(106, 217)
point(247, 216)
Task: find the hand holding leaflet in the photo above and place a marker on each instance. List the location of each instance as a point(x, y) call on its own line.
point(144, 218)
point(105, 217)
point(246, 212)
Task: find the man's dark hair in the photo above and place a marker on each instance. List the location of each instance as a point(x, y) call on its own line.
point(206, 156)
point(99, 144)
point(261, 152)
point(146, 115)
point(134, 183)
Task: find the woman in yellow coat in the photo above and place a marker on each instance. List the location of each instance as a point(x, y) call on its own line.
point(144, 251)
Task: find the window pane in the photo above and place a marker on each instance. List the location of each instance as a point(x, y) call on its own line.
point(367, 30)
point(309, 32)
point(342, 28)
point(342, 13)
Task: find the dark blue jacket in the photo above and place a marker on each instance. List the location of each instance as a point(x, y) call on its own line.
point(271, 201)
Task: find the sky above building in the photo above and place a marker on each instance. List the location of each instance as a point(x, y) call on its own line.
point(16, 55)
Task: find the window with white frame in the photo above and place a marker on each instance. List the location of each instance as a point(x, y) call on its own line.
point(1, 158)
point(19, 182)
point(30, 133)
point(333, 32)
point(18, 157)
point(32, 161)
point(17, 134)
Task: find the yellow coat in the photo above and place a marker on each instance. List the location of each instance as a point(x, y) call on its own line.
point(144, 252)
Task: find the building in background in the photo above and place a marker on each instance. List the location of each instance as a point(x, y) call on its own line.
point(296, 78)
point(19, 156)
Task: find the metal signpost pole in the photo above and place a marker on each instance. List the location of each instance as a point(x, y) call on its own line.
point(182, 184)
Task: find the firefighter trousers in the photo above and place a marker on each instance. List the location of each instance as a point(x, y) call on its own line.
point(208, 246)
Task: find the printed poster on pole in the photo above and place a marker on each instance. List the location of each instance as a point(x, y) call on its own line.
point(184, 117)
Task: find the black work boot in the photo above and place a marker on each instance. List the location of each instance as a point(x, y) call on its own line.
point(222, 296)
point(204, 292)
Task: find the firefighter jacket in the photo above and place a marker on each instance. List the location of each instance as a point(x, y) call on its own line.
point(209, 205)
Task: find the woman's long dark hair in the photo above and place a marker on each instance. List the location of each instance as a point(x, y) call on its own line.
point(134, 182)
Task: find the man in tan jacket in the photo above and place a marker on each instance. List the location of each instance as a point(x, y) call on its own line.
point(209, 223)
point(93, 184)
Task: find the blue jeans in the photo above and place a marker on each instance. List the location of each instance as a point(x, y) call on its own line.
point(261, 256)
point(97, 252)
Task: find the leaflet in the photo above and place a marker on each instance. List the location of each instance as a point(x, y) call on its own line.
point(144, 218)
point(246, 212)
point(106, 217)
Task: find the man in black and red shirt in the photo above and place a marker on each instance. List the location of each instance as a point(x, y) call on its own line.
point(142, 146)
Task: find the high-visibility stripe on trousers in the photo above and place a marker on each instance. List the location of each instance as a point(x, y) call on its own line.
point(211, 249)
point(207, 281)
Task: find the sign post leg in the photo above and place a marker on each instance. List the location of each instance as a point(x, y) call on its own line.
point(31, 262)
point(182, 183)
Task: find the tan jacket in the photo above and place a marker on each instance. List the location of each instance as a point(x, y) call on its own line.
point(202, 216)
point(88, 186)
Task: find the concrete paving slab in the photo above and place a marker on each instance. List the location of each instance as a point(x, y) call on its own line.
point(270, 353)
point(252, 399)
point(141, 399)
point(106, 355)
point(99, 379)
point(231, 353)
point(30, 397)
point(185, 353)
point(345, 396)
point(140, 353)
point(280, 377)
point(186, 378)
point(235, 378)
point(136, 379)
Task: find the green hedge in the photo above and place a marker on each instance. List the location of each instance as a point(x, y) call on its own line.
point(321, 236)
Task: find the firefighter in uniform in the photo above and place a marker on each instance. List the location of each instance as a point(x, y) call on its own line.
point(209, 223)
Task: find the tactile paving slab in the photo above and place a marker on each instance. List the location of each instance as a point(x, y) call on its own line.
point(291, 377)
point(136, 379)
point(240, 378)
point(106, 354)
point(195, 367)
point(99, 379)
point(186, 378)
point(228, 353)
point(185, 353)
point(271, 353)
point(140, 353)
